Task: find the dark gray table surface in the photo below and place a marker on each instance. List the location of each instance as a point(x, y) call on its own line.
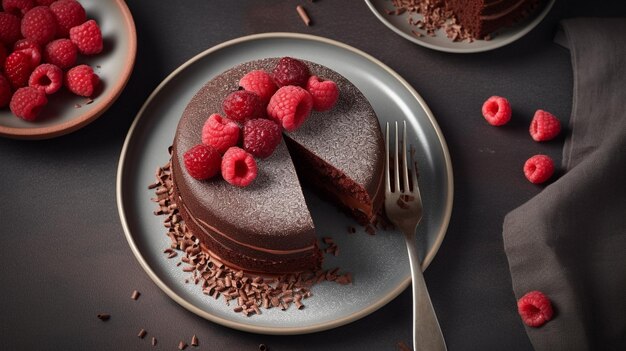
point(64, 257)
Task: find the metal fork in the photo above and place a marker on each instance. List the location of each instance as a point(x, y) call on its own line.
point(403, 206)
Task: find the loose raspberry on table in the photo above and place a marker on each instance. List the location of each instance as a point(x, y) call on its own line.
point(220, 132)
point(81, 80)
point(238, 167)
point(497, 110)
point(261, 137)
point(538, 169)
point(39, 25)
point(10, 31)
point(202, 161)
point(242, 105)
point(260, 83)
point(27, 102)
point(17, 68)
point(544, 126)
point(47, 77)
point(324, 92)
point(290, 71)
point(290, 106)
point(61, 52)
point(535, 309)
point(87, 37)
point(68, 13)
point(5, 91)
point(17, 7)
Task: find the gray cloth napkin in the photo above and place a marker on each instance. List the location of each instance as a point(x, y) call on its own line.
point(569, 241)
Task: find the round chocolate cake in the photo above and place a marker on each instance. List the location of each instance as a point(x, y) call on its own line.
point(266, 227)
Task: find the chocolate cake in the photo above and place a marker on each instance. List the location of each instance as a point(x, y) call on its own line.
point(482, 17)
point(266, 227)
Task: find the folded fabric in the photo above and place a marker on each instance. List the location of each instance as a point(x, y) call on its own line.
point(569, 241)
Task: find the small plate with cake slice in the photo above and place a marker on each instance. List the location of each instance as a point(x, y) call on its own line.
point(461, 26)
point(302, 247)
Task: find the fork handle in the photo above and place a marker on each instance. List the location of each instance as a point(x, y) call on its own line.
point(426, 330)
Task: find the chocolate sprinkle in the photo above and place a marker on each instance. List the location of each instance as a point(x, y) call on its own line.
point(182, 345)
point(250, 292)
point(135, 295)
point(104, 316)
point(194, 340)
point(154, 341)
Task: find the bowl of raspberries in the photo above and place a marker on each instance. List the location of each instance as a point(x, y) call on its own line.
point(62, 63)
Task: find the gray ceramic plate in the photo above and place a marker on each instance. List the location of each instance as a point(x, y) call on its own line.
point(378, 263)
point(114, 65)
point(401, 26)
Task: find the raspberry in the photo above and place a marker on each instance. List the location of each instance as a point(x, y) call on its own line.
point(39, 25)
point(34, 54)
point(9, 28)
point(202, 161)
point(27, 102)
point(17, 7)
point(238, 167)
point(44, 2)
point(5, 91)
point(538, 169)
point(3, 56)
point(261, 137)
point(535, 308)
point(17, 68)
point(290, 106)
point(25, 44)
point(497, 110)
point(242, 105)
point(61, 52)
point(260, 83)
point(290, 71)
point(219, 132)
point(87, 37)
point(47, 77)
point(68, 13)
point(544, 126)
point(324, 92)
point(81, 80)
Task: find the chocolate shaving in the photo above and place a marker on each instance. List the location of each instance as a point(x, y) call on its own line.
point(182, 345)
point(434, 16)
point(194, 340)
point(104, 316)
point(403, 347)
point(303, 15)
point(135, 295)
point(154, 341)
point(249, 292)
point(142, 333)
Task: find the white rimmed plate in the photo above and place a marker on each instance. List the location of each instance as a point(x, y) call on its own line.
point(400, 25)
point(378, 263)
point(66, 112)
